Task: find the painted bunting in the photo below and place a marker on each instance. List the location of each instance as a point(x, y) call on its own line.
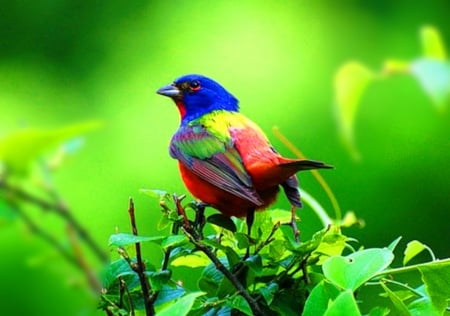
point(225, 159)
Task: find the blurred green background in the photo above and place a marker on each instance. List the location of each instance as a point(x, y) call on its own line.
point(67, 61)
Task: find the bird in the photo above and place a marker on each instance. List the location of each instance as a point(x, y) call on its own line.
point(225, 159)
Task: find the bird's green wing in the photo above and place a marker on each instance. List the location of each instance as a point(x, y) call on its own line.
point(209, 152)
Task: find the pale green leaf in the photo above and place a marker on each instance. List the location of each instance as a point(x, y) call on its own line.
point(352, 271)
point(350, 82)
point(193, 261)
point(319, 298)
point(343, 305)
point(20, 148)
point(432, 43)
point(413, 248)
point(434, 77)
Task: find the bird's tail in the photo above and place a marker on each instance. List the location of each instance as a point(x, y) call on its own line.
point(304, 164)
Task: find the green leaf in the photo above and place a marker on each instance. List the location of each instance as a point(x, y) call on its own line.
point(242, 240)
point(350, 82)
point(343, 305)
point(239, 303)
point(394, 244)
point(379, 311)
point(19, 149)
point(352, 271)
point(124, 239)
point(436, 277)
point(182, 306)
point(255, 263)
point(174, 241)
point(434, 77)
point(155, 193)
point(400, 307)
point(319, 299)
point(432, 44)
point(423, 306)
point(268, 292)
point(158, 278)
point(332, 244)
point(168, 293)
point(211, 278)
point(222, 221)
point(413, 248)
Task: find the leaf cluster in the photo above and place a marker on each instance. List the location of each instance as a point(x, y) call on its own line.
point(268, 272)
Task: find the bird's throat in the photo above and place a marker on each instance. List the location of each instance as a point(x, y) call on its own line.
point(181, 108)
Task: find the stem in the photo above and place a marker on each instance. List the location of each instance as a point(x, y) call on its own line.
point(317, 208)
point(409, 268)
point(139, 268)
point(233, 279)
point(316, 174)
point(403, 286)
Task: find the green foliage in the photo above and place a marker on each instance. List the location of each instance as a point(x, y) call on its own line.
point(269, 273)
point(431, 70)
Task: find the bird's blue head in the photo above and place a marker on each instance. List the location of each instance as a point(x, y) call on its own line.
point(196, 95)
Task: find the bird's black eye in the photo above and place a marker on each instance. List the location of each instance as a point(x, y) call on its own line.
point(194, 85)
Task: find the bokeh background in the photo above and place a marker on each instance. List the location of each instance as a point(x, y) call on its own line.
point(63, 62)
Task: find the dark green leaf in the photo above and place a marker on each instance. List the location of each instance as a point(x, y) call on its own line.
point(158, 279)
point(222, 221)
point(255, 263)
point(168, 293)
point(211, 277)
point(352, 271)
point(123, 239)
point(182, 306)
point(239, 303)
point(268, 292)
point(242, 240)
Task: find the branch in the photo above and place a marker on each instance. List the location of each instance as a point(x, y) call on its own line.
point(233, 279)
point(59, 208)
point(139, 267)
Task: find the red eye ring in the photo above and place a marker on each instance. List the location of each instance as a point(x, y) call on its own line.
point(194, 85)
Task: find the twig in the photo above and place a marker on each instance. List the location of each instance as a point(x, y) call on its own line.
point(80, 258)
point(60, 209)
point(233, 279)
point(33, 227)
point(139, 268)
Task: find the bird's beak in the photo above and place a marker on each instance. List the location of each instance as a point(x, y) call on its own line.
point(169, 91)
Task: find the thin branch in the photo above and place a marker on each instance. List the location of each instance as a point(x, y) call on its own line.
point(91, 276)
point(34, 228)
point(233, 279)
point(61, 209)
point(139, 268)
